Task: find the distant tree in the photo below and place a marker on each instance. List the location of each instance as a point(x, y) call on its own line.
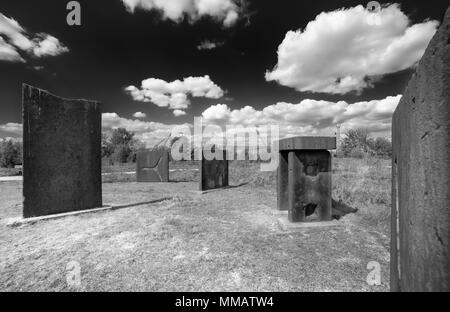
point(10, 154)
point(121, 153)
point(134, 145)
point(355, 143)
point(121, 146)
point(107, 146)
point(381, 147)
point(121, 136)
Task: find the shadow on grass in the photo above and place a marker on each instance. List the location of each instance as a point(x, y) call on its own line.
point(114, 207)
point(340, 209)
point(225, 187)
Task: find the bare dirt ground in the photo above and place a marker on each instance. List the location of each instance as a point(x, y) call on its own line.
point(224, 240)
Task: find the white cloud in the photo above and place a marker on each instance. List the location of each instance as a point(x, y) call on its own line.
point(14, 38)
point(344, 50)
point(209, 45)
point(148, 132)
point(203, 87)
point(10, 28)
point(310, 117)
point(8, 52)
point(179, 112)
point(174, 95)
point(113, 121)
point(139, 115)
point(225, 11)
point(48, 45)
point(231, 18)
point(11, 129)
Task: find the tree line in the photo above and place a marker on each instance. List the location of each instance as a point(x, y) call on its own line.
point(10, 153)
point(121, 146)
point(357, 144)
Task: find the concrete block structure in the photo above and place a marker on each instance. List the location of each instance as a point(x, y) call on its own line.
point(61, 153)
point(213, 173)
point(304, 178)
point(420, 215)
point(152, 165)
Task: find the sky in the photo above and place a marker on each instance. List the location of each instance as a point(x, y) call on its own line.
point(156, 64)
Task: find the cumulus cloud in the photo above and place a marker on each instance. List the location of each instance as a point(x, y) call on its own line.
point(139, 115)
point(179, 112)
point(209, 45)
point(12, 30)
point(8, 52)
point(174, 95)
point(11, 129)
point(224, 11)
point(310, 117)
point(148, 132)
point(114, 121)
point(48, 45)
point(346, 50)
point(14, 39)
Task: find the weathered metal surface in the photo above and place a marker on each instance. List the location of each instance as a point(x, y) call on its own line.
point(309, 186)
point(420, 215)
point(61, 153)
point(152, 165)
point(213, 173)
point(282, 182)
point(307, 143)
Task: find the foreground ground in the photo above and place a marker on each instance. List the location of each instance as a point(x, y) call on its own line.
point(225, 240)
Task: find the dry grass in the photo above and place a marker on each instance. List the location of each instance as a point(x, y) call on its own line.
point(223, 240)
point(366, 185)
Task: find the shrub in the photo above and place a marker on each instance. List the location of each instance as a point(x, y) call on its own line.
point(10, 154)
point(357, 144)
point(121, 146)
point(355, 141)
point(121, 153)
point(134, 146)
point(381, 147)
point(357, 152)
point(107, 146)
point(121, 136)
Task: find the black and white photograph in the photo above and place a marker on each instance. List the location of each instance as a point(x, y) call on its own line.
point(224, 152)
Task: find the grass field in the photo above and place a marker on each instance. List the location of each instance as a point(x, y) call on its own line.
point(224, 240)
